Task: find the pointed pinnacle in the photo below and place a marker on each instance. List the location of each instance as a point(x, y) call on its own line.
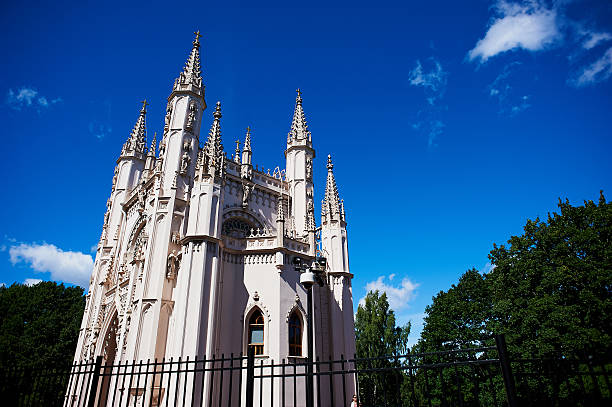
point(247, 140)
point(213, 147)
point(136, 141)
point(192, 74)
point(299, 127)
point(153, 145)
point(331, 201)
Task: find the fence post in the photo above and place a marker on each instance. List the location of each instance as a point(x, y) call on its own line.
point(504, 361)
point(93, 390)
point(250, 376)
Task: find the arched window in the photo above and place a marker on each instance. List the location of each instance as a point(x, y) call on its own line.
point(295, 335)
point(256, 332)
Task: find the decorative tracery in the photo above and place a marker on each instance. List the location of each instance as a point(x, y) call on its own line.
point(237, 227)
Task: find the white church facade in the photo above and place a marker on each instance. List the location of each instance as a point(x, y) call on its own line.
point(197, 246)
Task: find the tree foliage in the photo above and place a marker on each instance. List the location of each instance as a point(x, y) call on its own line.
point(549, 291)
point(39, 324)
point(376, 335)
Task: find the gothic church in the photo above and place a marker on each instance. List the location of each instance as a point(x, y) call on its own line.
point(196, 251)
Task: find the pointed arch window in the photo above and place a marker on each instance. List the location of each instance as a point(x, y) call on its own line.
point(256, 332)
point(295, 335)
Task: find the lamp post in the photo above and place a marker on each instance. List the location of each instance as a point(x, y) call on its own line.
point(309, 276)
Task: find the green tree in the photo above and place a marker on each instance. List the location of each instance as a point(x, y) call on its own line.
point(551, 286)
point(549, 293)
point(376, 335)
point(39, 324)
point(458, 318)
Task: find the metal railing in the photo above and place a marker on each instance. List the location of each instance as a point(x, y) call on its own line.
point(478, 376)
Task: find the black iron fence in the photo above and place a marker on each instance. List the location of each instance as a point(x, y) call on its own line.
point(479, 376)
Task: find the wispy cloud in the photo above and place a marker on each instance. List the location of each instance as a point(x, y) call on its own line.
point(429, 126)
point(99, 127)
point(99, 130)
point(68, 266)
point(598, 71)
point(399, 296)
point(27, 97)
point(433, 80)
point(510, 100)
point(592, 39)
point(530, 26)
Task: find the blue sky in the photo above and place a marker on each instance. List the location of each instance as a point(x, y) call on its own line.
point(450, 123)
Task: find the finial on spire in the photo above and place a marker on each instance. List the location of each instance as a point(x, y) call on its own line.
point(196, 42)
point(144, 106)
point(330, 165)
point(217, 113)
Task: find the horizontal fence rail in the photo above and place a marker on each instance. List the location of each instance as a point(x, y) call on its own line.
point(478, 376)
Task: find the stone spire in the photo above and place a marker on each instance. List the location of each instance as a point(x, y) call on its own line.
point(299, 127)
point(331, 202)
point(151, 152)
point(150, 160)
point(246, 167)
point(191, 77)
point(213, 149)
point(247, 140)
point(137, 140)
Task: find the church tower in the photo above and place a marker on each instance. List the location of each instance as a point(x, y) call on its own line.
point(197, 249)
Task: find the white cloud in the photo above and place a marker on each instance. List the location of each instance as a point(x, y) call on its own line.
point(598, 71)
point(32, 281)
point(595, 38)
point(399, 296)
point(68, 266)
point(488, 267)
point(530, 26)
point(28, 97)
